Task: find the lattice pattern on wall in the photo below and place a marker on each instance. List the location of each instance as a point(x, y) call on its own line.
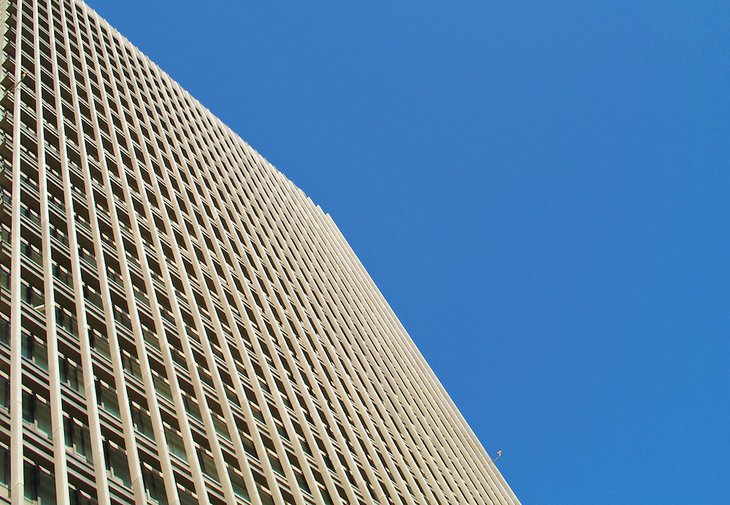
point(179, 323)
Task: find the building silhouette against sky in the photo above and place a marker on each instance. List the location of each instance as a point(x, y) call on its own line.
point(179, 323)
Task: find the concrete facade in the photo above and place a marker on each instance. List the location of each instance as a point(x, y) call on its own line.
point(179, 323)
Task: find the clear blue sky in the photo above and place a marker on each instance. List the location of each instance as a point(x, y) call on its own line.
point(542, 192)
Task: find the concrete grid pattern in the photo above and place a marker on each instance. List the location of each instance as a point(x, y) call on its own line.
point(179, 323)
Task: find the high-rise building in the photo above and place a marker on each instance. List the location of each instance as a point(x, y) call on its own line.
point(179, 323)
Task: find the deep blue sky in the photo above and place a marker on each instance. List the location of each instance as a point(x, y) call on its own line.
point(542, 192)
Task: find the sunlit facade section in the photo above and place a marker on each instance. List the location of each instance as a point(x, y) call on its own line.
point(179, 323)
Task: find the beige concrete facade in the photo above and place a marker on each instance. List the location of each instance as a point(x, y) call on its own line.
point(179, 323)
